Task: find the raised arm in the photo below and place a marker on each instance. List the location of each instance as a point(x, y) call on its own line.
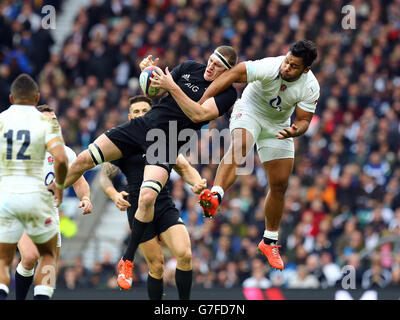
point(195, 111)
point(237, 74)
point(190, 174)
point(107, 173)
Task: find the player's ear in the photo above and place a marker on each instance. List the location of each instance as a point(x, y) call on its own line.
point(11, 98)
point(129, 116)
point(307, 69)
point(37, 97)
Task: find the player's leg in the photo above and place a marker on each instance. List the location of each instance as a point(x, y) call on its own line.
point(11, 230)
point(177, 240)
point(154, 179)
point(101, 150)
point(153, 254)
point(45, 275)
point(242, 142)
point(278, 172)
point(7, 251)
point(26, 267)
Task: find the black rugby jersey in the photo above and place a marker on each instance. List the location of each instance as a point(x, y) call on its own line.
point(189, 76)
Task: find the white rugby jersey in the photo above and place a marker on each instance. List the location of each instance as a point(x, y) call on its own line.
point(24, 133)
point(268, 95)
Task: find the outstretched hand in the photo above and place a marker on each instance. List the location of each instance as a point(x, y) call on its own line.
point(288, 132)
point(147, 62)
point(120, 201)
point(163, 80)
point(86, 206)
point(199, 187)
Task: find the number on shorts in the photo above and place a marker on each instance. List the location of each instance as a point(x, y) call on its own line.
point(21, 135)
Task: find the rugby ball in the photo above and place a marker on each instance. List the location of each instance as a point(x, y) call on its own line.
point(145, 83)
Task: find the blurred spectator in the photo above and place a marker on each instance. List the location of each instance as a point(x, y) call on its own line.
point(376, 277)
point(258, 277)
point(303, 280)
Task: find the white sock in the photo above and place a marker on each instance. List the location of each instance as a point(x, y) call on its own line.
point(24, 272)
point(43, 290)
point(4, 288)
point(273, 235)
point(219, 190)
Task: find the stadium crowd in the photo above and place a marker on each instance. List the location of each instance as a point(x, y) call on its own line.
point(343, 199)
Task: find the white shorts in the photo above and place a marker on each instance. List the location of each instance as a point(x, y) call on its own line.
point(264, 134)
point(30, 212)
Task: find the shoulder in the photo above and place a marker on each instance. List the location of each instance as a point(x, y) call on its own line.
point(267, 61)
point(311, 84)
point(191, 65)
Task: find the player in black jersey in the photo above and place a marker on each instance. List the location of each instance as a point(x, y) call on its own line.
point(135, 136)
point(167, 224)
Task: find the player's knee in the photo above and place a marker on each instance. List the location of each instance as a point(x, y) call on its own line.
point(184, 258)
point(29, 259)
point(279, 186)
point(156, 267)
point(146, 198)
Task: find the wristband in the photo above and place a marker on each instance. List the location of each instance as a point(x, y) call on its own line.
point(59, 186)
point(85, 198)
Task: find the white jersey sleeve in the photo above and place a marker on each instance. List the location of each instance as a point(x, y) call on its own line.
point(263, 69)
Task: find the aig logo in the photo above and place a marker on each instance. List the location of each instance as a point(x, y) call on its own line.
point(192, 86)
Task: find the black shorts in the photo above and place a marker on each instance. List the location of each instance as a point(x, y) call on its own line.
point(166, 215)
point(131, 138)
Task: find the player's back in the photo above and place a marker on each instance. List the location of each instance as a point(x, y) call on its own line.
point(24, 132)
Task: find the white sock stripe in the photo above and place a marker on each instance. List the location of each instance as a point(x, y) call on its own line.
point(24, 272)
point(96, 153)
point(219, 190)
point(4, 287)
point(273, 235)
point(43, 290)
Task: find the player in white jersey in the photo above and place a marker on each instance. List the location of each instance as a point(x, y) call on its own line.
point(277, 87)
point(27, 249)
point(25, 202)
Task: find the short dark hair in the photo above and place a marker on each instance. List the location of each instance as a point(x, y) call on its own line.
point(45, 108)
point(229, 54)
point(304, 49)
point(140, 98)
point(24, 88)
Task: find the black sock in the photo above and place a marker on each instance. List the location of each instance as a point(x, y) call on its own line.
point(183, 281)
point(41, 297)
point(22, 285)
point(269, 241)
point(155, 288)
point(138, 229)
point(3, 294)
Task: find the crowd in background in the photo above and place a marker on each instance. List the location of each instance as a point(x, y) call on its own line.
point(343, 199)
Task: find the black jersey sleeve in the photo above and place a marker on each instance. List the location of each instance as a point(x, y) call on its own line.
point(225, 100)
